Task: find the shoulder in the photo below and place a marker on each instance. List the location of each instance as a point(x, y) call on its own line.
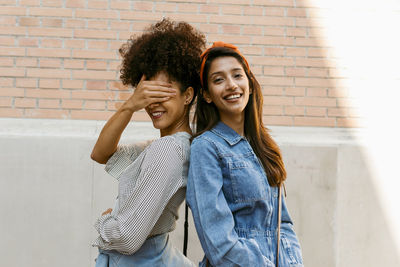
point(169, 146)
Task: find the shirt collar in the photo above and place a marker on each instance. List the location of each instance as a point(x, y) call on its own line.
point(227, 133)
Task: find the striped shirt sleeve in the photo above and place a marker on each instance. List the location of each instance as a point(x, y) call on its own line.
point(159, 179)
point(123, 157)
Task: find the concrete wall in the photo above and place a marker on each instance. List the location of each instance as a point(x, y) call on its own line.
point(51, 193)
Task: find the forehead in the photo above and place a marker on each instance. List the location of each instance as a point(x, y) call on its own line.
point(224, 64)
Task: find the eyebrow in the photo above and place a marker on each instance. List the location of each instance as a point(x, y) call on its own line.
point(218, 72)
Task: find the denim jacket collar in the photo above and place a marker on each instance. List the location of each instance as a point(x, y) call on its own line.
point(227, 133)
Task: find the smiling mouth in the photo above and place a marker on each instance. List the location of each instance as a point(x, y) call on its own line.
point(233, 97)
point(157, 115)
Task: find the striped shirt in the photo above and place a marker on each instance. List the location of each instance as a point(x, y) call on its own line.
point(152, 179)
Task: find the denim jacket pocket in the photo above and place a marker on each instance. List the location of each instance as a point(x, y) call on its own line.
point(290, 251)
point(247, 183)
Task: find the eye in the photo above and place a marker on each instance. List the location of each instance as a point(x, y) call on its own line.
point(218, 80)
point(238, 75)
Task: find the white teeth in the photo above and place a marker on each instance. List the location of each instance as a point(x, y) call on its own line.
point(232, 96)
point(156, 114)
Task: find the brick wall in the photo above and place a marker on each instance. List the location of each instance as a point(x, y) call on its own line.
point(59, 59)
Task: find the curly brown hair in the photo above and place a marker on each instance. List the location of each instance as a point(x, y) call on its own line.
point(164, 46)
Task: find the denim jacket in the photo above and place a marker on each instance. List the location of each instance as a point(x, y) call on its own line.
point(233, 206)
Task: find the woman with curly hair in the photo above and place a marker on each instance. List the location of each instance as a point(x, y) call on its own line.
point(162, 64)
point(236, 170)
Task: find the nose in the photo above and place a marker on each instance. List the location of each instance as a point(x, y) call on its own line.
point(230, 83)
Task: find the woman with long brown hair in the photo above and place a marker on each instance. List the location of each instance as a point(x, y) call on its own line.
point(236, 170)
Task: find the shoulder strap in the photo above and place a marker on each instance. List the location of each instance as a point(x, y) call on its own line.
point(185, 233)
point(279, 225)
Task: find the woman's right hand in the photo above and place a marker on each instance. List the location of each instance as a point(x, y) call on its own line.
point(149, 92)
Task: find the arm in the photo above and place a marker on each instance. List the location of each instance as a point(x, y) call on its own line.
point(146, 93)
point(159, 179)
point(212, 216)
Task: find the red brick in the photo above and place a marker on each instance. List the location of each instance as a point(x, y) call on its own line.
point(12, 72)
point(273, 71)
point(29, 21)
point(48, 73)
point(208, 28)
point(94, 95)
point(272, 110)
point(273, 21)
point(50, 63)
point(6, 62)
point(98, 4)
point(275, 11)
point(28, 42)
point(91, 114)
point(47, 93)
point(295, 91)
point(278, 120)
point(74, 64)
point(74, 43)
point(52, 22)
point(96, 85)
point(26, 62)
point(255, 11)
point(71, 104)
point(315, 101)
point(96, 65)
point(94, 74)
point(103, 14)
point(278, 100)
point(52, 43)
point(143, 6)
point(98, 44)
point(274, 31)
point(316, 112)
point(231, 29)
point(233, 39)
point(12, 10)
point(29, 2)
point(298, 32)
point(314, 72)
point(7, 41)
point(209, 9)
point(50, 12)
point(295, 51)
point(74, 23)
point(97, 24)
point(193, 18)
point(232, 9)
point(49, 103)
point(120, 25)
point(49, 83)
point(11, 113)
point(9, 30)
point(338, 92)
point(44, 52)
point(252, 30)
point(11, 91)
point(6, 82)
point(119, 86)
point(349, 122)
point(12, 51)
point(272, 91)
point(273, 40)
point(56, 32)
point(338, 112)
point(122, 5)
point(313, 121)
point(6, 101)
point(276, 81)
point(75, 3)
point(26, 83)
point(25, 102)
point(52, 3)
point(227, 19)
point(8, 20)
point(273, 61)
point(94, 54)
point(294, 111)
point(251, 50)
point(297, 12)
point(315, 82)
point(95, 34)
point(295, 72)
point(46, 113)
point(99, 105)
point(72, 84)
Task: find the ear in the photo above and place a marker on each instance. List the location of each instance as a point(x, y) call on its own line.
point(188, 94)
point(207, 97)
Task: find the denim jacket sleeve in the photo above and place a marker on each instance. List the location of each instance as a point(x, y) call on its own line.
point(212, 216)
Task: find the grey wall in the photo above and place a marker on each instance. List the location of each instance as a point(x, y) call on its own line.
point(51, 193)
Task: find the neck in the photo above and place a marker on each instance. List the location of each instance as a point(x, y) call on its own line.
point(235, 122)
point(182, 126)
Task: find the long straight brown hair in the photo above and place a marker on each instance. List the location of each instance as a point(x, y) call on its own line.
point(207, 116)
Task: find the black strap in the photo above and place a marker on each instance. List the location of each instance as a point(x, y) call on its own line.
point(185, 233)
point(279, 224)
